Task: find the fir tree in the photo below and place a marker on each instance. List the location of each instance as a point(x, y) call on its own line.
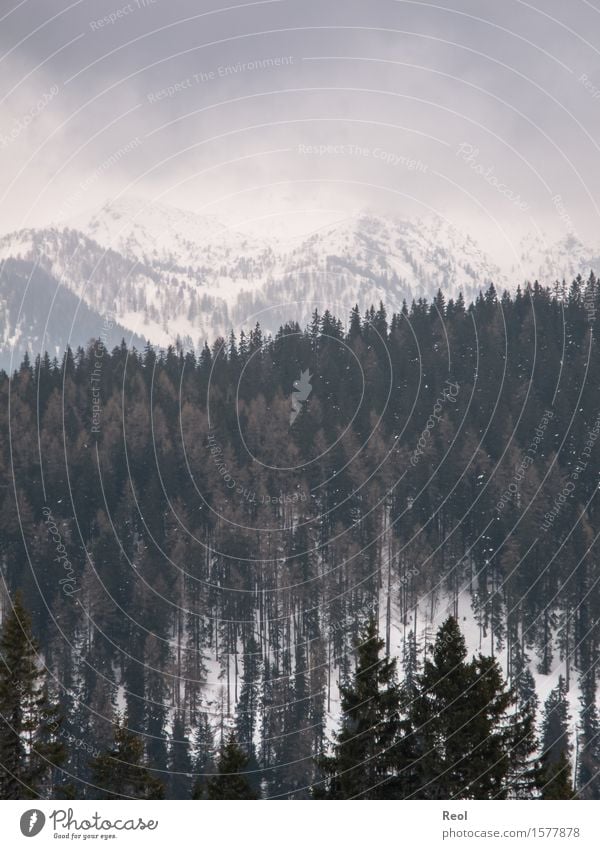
point(555, 724)
point(249, 700)
point(588, 756)
point(203, 758)
point(364, 749)
point(30, 746)
point(523, 775)
point(355, 325)
point(460, 724)
point(230, 783)
point(180, 761)
point(120, 772)
point(555, 781)
point(555, 766)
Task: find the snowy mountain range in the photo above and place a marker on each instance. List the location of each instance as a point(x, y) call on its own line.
point(164, 274)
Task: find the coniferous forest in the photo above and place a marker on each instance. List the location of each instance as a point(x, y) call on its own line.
point(357, 559)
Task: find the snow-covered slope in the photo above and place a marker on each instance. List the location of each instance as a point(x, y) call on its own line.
point(543, 260)
point(38, 315)
point(168, 273)
point(158, 234)
point(408, 258)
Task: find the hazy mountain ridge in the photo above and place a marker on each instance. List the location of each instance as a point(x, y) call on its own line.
point(170, 274)
point(565, 259)
point(38, 315)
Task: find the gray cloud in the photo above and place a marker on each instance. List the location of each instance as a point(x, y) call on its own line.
point(226, 100)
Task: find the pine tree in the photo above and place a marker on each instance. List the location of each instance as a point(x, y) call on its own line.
point(249, 700)
point(588, 760)
point(30, 745)
point(523, 775)
point(230, 783)
point(411, 666)
point(203, 760)
point(555, 766)
point(180, 761)
point(364, 749)
point(355, 326)
point(556, 782)
point(460, 724)
point(120, 772)
point(555, 724)
point(295, 747)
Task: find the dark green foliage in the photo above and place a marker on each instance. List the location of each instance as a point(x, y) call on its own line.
point(459, 719)
point(231, 783)
point(364, 749)
point(121, 773)
point(30, 744)
point(555, 725)
point(180, 761)
point(449, 732)
point(249, 700)
point(524, 767)
point(203, 756)
point(555, 766)
point(555, 779)
point(172, 566)
point(588, 756)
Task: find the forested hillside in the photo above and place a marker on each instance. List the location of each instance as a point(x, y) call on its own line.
point(201, 542)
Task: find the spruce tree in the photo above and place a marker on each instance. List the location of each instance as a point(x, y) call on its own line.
point(406, 753)
point(249, 700)
point(231, 783)
point(203, 758)
point(555, 781)
point(411, 666)
point(523, 774)
point(460, 725)
point(180, 761)
point(555, 724)
point(588, 760)
point(120, 772)
point(30, 746)
point(555, 766)
point(365, 748)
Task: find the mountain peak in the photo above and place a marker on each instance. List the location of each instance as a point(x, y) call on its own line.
point(151, 232)
point(166, 272)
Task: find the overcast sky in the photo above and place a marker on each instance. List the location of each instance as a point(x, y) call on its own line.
point(296, 111)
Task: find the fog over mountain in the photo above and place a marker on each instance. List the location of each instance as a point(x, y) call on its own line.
point(169, 275)
point(300, 441)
